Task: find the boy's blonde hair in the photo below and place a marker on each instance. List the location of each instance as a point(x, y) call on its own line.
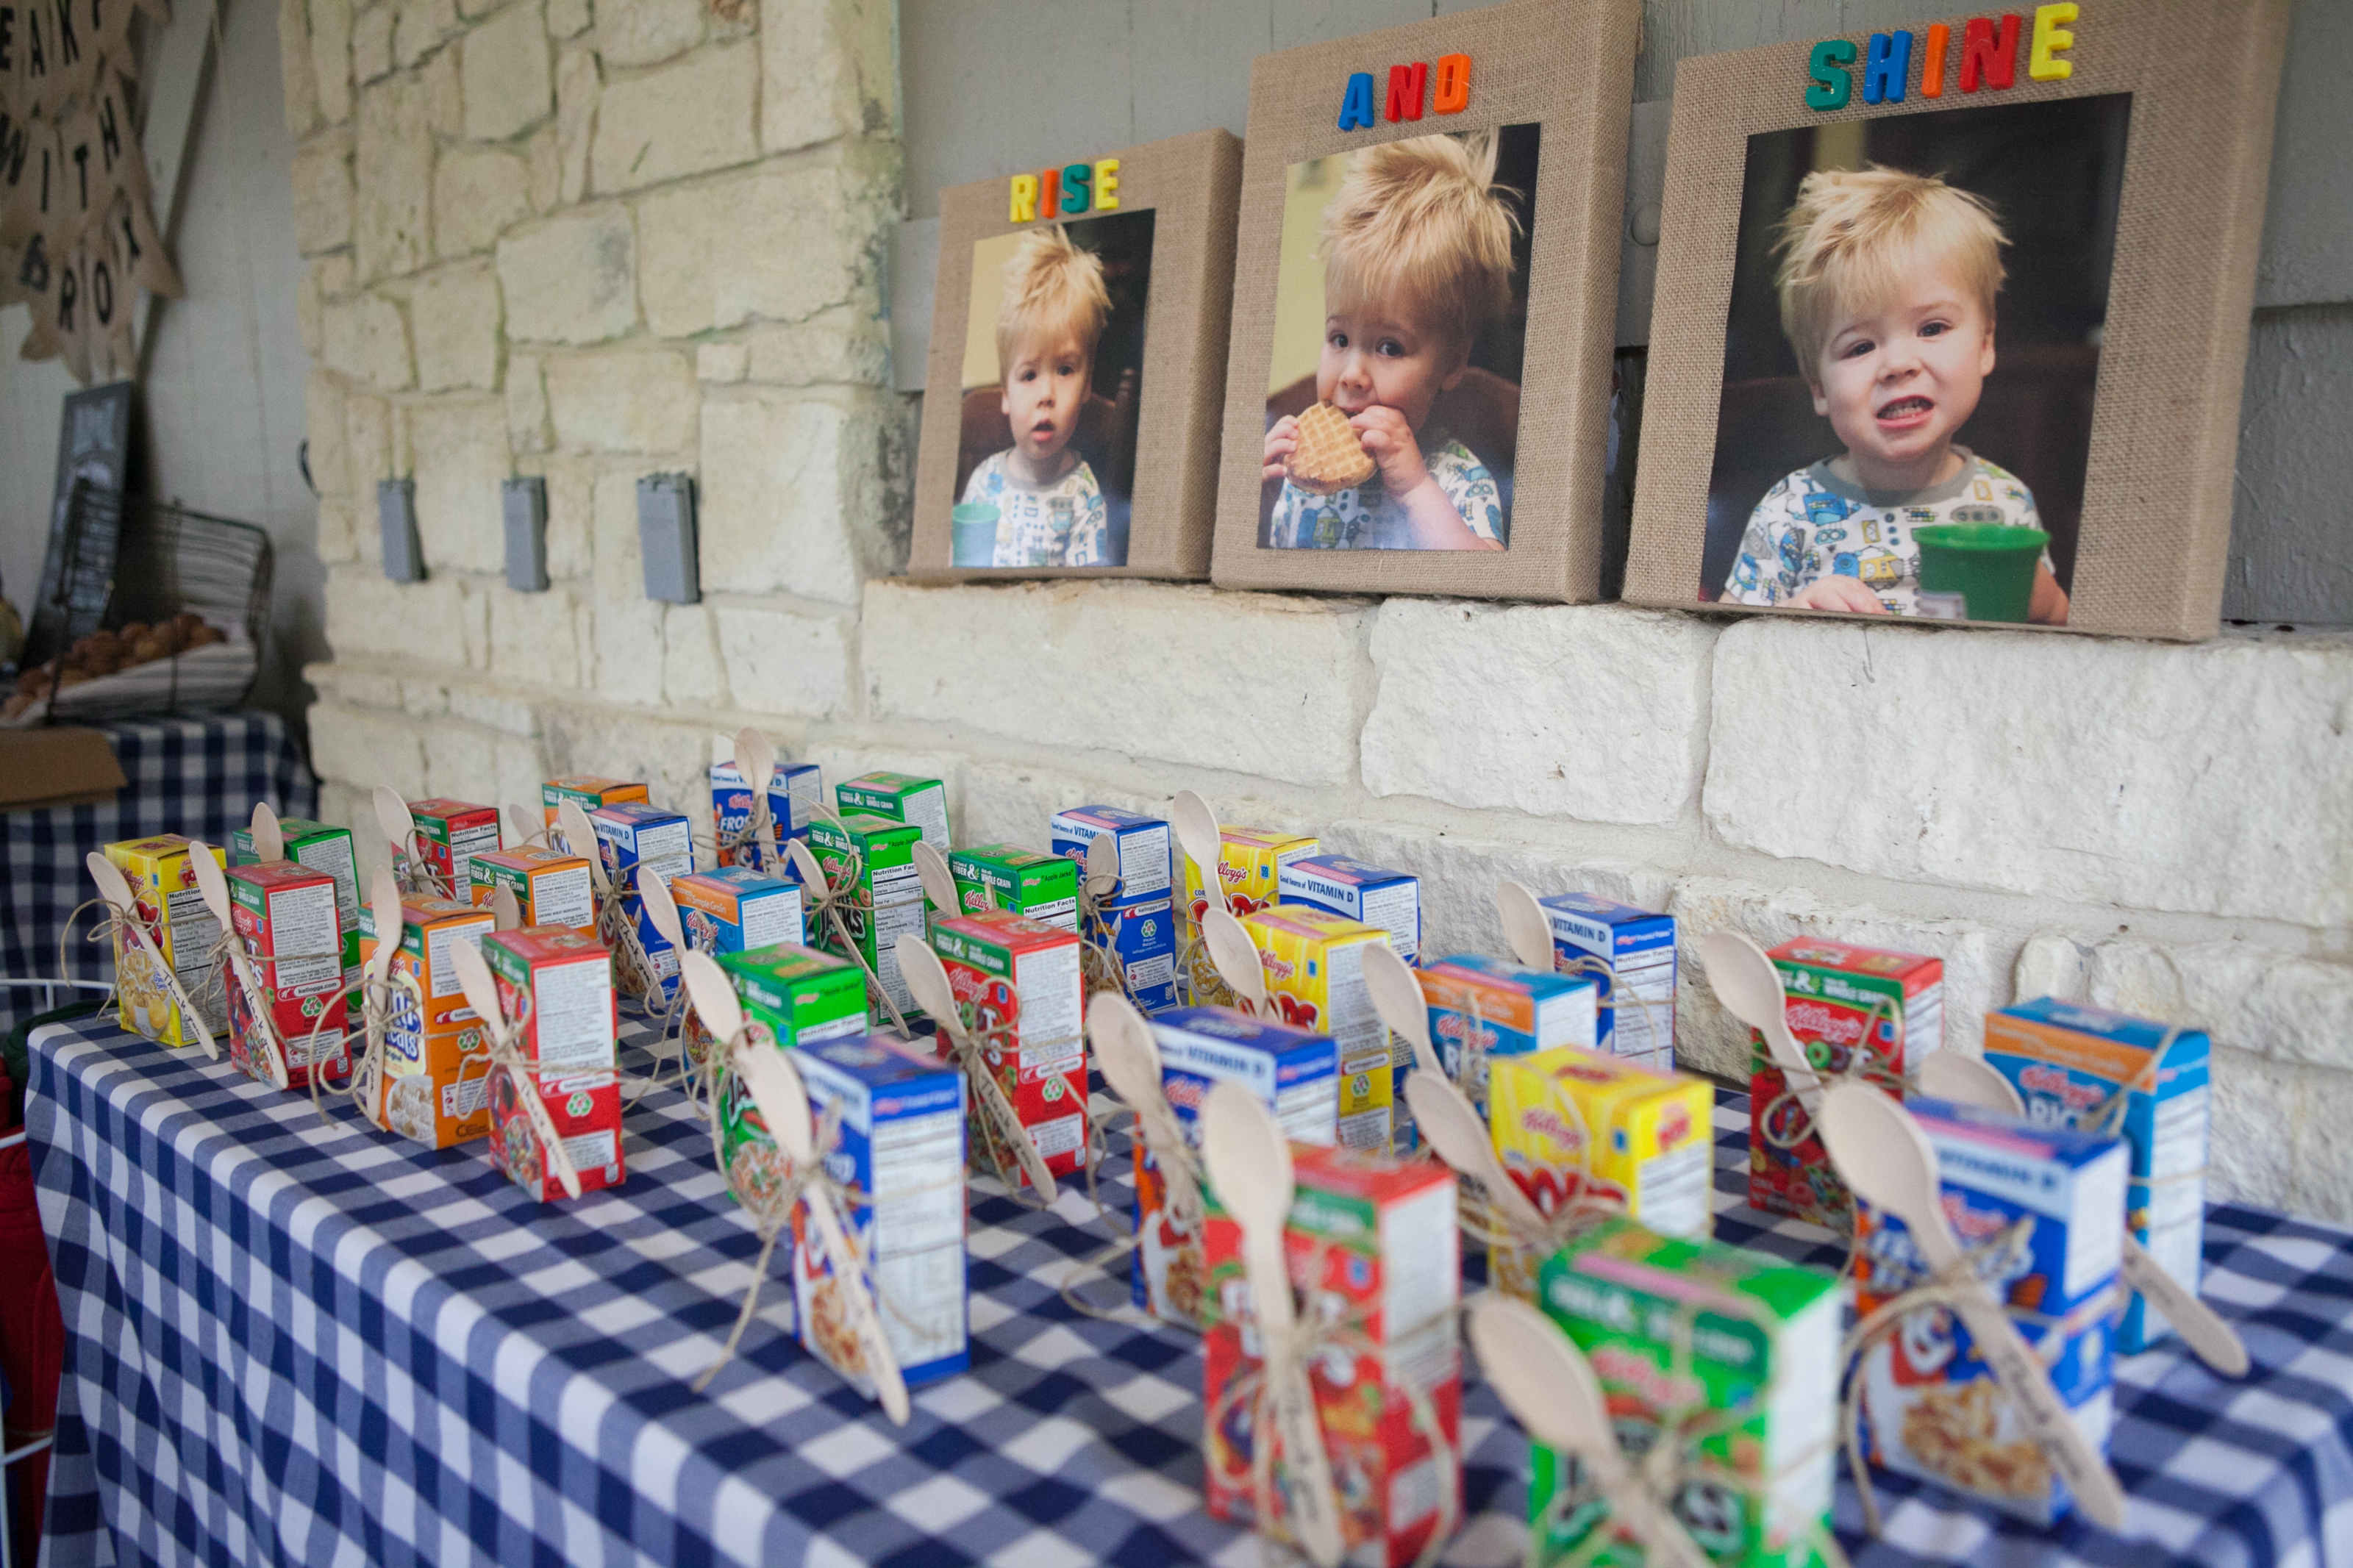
point(1050, 286)
point(1423, 218)
point(1859, 236)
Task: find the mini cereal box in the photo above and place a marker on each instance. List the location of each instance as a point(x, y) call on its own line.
point(1143, 934)
point(1631, 952)
point(1837, 995)
point(443, 1099)
point(1027, 881)
point(1481, 1009)
point(1314, 965)
point(902, 1144)
point(1022, 975)
point(1250, 870)
point(1371, 1245)
point(737, 910)
point(1357, 891)
point(435, 1080)
point(550, 887)
point(1765, 1339)
point(801, 997)
point(793, 790)
point(164, 890)
point(285, 917)
point(591, 793)
point(321, 848)
point(1930, 1401)
point(887, 899)
point(1293, 1071)
point(638, 841)
point(430, 928)
point(451, 832)
point(558, 987)
point(2068, 1062)
point(900, 797)
point(1568, 1120)
point(1143, 842)
point(586, 1110)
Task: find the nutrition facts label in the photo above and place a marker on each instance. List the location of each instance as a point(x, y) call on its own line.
point(1048, 982)
point(2176, 1200)
point(1144, 862)
point(333, 856)
point(665, 851)
point(589, 1152)
point(304, 939)
point(1642, 1004)
point(442, 943)
point(918, 1164)
point(928, 809)
point(771, 920)
point(192, 932)
point(1397, 910)
point(562, 898)
point(573, 1010)
point(897, 909)
point(922, 1303)
point(465, 843)
point(1671, 1190)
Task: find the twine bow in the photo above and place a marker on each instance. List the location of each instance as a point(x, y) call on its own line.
point(229, 957)
point(381, 1003)
point(1002, 1137)
point(502, 1051)
point(1100, 965)
point(829, 906)
point(417, 873)
point(138, 950)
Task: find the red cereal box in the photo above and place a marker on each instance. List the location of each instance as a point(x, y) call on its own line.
point(449, 834)
point(1373, 1248)
point(1023, 974)
point(585, 1109)
point(1852, 1009)
point(557, 987)
point(285, 915)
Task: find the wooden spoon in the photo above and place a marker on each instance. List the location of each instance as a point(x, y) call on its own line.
point(580, 839)
point(1249, 1166)
point(269, 838)
point(1397, 999)
point(1101, 873)
point(530, 826)
point(482, 990)
point(1198, 837)
point(383, 902)
point(1236, 956)
point(1527, 931)
point(506, 913)
point(1750, 988)
point(115, 888)
point(1890, 1165)
point(213, 886)
point(1462, 1140)
point(755, 762)
point(939, 882)
point(662, 909)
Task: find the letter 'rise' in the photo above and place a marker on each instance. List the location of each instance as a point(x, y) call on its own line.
point(1986, 57)
point(1050, 192)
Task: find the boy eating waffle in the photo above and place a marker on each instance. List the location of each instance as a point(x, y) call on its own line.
point(1887, 284)
point(1417, 257)
point(1051, 511)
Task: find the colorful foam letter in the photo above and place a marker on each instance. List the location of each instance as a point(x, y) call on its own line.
point(1885, 68)
point(2051, 38)
point(1984, 56)
point(1832, 83)
point(1049, 191)
point(1357, 103)
point(1453, 93)
point(1025, 198)
point(1407, 85)
point(1075, 177)
point(1931, 60)
point(1106, 184)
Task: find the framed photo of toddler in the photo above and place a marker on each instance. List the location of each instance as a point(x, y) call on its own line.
point(1417, 396)
point(1951, 319)
point(1072, 397)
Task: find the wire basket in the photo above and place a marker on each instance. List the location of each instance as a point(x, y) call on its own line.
point(131, 560)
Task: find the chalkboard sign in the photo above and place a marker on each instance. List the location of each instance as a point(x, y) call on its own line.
point(93, 445)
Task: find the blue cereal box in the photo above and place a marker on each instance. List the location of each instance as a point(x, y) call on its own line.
point(1930, 1402)
point(1295, 1072)
point(1482, 1007)
point(1144, 934)
point(1143, 848)
point(737, 910)
point(792, 789)
point(2069, 1062)
point(1631, 952)
point(637, 840)
point(902, 1146)
point(1370, 894)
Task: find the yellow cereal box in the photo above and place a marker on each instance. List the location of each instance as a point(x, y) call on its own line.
point(1249, 864)
point(1314, 964)
point(1647, 1138)
point(163, 885)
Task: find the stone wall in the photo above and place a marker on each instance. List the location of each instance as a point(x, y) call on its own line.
point(645, 241)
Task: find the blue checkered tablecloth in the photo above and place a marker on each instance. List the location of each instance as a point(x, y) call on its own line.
point(200, 776)
point(290, 1342)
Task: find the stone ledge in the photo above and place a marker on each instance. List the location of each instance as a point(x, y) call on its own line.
point(2214, 779)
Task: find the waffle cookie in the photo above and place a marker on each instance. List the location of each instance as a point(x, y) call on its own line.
point(1329, 457)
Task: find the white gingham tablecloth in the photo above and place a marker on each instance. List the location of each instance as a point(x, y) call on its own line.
point(298, 1344)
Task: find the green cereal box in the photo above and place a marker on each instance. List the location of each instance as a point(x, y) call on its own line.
point(901, 798)
point(320, 848)
point(1027, 881)
point(1765, 1348)
point(800, 996)
point(886, 900)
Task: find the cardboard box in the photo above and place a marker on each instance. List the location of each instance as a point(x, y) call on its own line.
point(551, 887)
point(899, 798)
point(1482, 1008)
point(585, 1109)
point(2068, 1061)
point(451, 832)
point(1027, 881)
point(637, 841)
point(1928, 1397)
point(442, 1096)
point(1021, 975)
point(1570, 1120)
point(1293, 1072)
point(430, 928)
point(801, 997)
point(1765, 1347)
point(164, 890)
point(1142, 842)
point(285, 916)
point(48, 769)
point(738, 909)
point(1631, 953)
point(1357, 891)
point(886, 902)
point(1143, 934)
point(1371, 1243)
point(1315, 968)
point(321, 848)
point(1250, 870)
point(794, 788)
point(590, 792)
point(1837, 993)
point(902, 1144)
point(558, 986)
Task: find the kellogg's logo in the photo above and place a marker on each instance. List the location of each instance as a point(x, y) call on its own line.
point(1548, 1123)
point(1456, 1027)
point(1277, 967)
point(2040, 1078)
point(1833, 1025)
point(1634, 1371)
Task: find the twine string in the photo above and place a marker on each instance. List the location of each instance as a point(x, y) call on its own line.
point(829, 908)
point(503, 1052)
point(146, 945)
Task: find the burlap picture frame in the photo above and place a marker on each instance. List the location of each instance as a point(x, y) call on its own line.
point(1566, 66)
point(1187, 184)
point(2199, 79)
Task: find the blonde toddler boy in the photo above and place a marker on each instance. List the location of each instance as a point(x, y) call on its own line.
point(1051, 511)
point(1417, 257)
point(1887, 283)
